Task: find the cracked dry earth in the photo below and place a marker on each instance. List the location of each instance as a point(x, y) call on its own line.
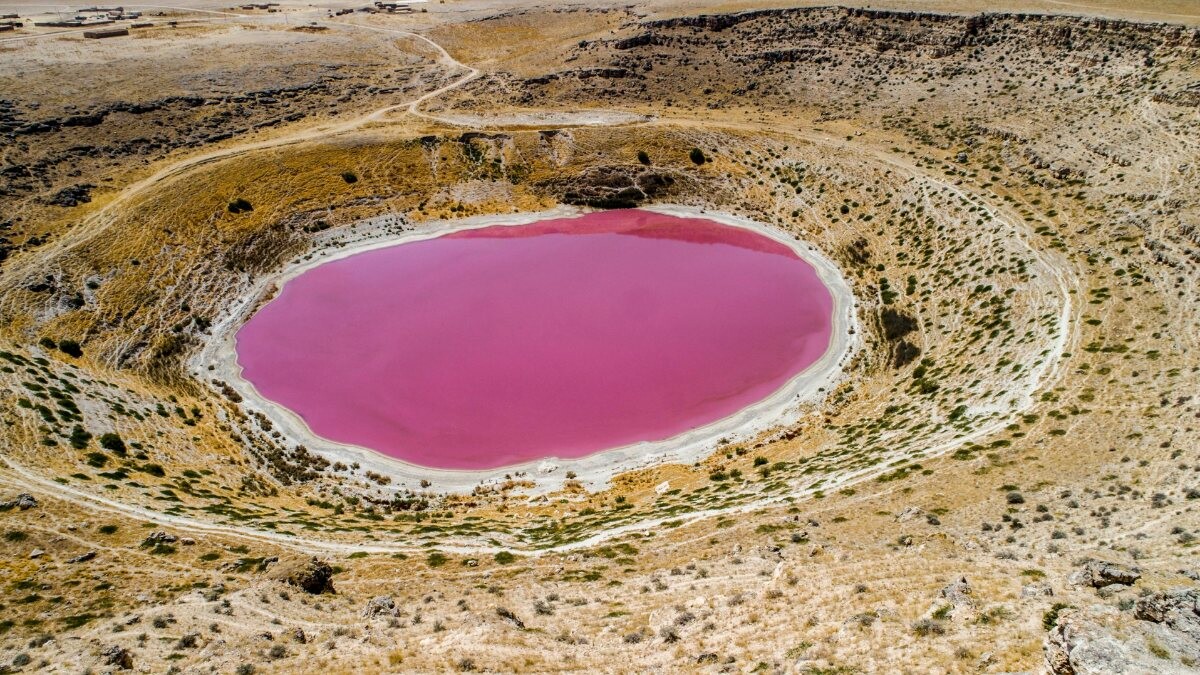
point(1003, 478)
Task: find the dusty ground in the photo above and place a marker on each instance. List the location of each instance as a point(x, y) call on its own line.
point(1013, 198)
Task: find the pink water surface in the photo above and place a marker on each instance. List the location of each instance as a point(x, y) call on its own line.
point(495, 346)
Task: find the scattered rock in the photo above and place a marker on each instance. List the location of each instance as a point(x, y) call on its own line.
point(614, 186)
point(187, 541)
point(72, 196)
point(1036, 590)
point(36, 553)
point(1098, 574)
point(82, 557)
point(299, 636)
point(382, 605)
point(117, 656)
point(909, 513)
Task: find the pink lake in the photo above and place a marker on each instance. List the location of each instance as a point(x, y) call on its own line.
point(491, 347)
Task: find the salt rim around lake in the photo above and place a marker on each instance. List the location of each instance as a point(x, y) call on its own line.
point(218, 361)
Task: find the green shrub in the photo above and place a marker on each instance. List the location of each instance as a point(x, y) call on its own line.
point(240, 205)
point(79, 437)
point(504, 557)
point(697, 156)
point(112, 442)
point(70, 348)
point(1050, 618)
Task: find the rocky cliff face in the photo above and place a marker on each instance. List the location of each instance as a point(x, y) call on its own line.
point(1164, 638)
point(692, 58)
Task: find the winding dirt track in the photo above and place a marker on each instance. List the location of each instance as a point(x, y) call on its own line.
point(1063, 279)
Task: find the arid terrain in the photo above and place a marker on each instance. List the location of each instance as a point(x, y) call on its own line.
point(1004, 476)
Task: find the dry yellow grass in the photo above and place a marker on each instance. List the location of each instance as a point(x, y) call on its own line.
point(870, 505)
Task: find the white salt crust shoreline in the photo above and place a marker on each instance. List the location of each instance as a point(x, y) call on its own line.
point(218, 360)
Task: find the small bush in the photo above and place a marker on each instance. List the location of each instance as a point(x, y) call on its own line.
point(79, 437)
point(1014, 498)
point(1050, 618)
point(70, 348)
point(349, 177)
point(643, 157)
point(697, 156)
point(113, 443)
point(504, 557)
point(926, 627)
point(436, 559)
point(240, 205)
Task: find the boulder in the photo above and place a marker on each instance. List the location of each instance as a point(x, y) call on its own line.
point(1036, 590)
point(116, 656)
point(1178, 609)
point(958, 594)
point(23, 501)
point(82, 557)
point(313, 576)
point(1079, 646)
point(1098, 574)
point(159, 537)
point(1100, 640)
point(382, 605)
